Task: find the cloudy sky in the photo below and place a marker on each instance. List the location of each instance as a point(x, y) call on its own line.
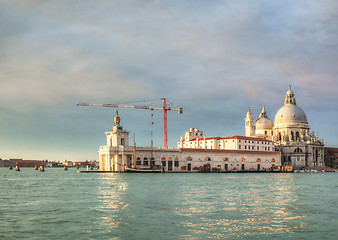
point(214, 58)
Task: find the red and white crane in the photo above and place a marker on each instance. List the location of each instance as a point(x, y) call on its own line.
point(165, 108)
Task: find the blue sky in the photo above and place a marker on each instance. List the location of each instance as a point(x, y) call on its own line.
point(213, 58)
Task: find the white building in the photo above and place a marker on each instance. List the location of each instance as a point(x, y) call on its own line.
point(195, 153)
point(291, 134)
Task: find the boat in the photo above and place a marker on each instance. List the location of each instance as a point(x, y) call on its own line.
point(276, 168)
point(143, 170)
point(282, 169)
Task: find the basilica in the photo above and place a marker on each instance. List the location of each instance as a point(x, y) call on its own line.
point(290, 133)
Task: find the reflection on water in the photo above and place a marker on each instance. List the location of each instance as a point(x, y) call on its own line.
point(111, 201)
point(61, 204)
point(198, 206)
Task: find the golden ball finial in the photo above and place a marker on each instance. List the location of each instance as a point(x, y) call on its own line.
point(117, 119)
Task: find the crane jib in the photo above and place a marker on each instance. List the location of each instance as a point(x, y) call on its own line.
point(165, 108)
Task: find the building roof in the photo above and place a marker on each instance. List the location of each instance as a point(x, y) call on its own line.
point(233, 137)
point(247, 138)
point(335, 150)
point(201, 139)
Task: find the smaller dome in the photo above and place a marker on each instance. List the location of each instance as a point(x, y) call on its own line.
point(264, 123)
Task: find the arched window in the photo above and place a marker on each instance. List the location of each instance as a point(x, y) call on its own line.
point(170, 159)
point(189, 159)
point(138, 161)
point(243, 160)
point(226, 159)
point(163, 158)
point(258, 160)
point(292, 136)
point(298, 150)
point(152, 161)
point(145, 161)
point(297, 136)
point(273, 160)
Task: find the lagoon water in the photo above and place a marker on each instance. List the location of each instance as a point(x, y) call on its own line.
point(59, 204)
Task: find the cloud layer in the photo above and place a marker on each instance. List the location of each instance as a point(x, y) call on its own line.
point(213, 58)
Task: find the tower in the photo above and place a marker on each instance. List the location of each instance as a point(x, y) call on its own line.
point(249, 124)
point(117, 137)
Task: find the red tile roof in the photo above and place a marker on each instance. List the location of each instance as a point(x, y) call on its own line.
point(201, 139)
point(247, 138)
point(233, 137)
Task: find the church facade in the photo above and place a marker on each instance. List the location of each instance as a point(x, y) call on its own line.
point(290, 133)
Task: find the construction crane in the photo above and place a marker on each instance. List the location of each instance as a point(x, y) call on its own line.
point(165, 108)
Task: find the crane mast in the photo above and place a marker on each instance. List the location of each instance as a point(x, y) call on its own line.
point(165, 108)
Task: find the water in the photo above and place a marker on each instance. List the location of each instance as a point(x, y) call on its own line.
point(59, 204)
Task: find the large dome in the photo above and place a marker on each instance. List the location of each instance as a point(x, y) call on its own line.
point(290, 113)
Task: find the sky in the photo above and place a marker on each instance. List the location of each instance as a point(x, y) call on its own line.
point(213, 58)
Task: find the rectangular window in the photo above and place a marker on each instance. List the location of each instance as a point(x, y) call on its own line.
point(177, 163)
point(164, 163)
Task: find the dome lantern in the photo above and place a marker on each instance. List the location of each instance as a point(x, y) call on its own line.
point(289, 97)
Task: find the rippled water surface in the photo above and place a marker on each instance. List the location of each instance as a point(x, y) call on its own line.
point(59, 204)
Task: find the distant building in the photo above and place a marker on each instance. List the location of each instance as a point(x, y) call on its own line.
point(28, 163)
point(68, 163)
point(6, 163)
point(331, 157)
